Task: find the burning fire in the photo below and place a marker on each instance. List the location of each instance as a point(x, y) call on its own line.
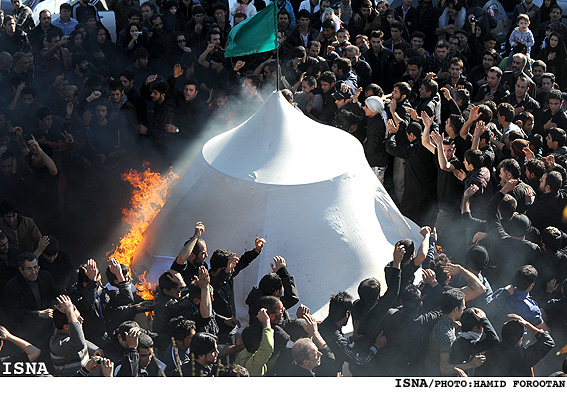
point(149, 196)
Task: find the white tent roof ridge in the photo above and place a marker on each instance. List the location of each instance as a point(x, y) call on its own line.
point(276, 146)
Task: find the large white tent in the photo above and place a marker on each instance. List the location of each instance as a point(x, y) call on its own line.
point(303, 186)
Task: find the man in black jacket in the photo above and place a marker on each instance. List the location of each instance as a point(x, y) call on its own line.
point(224, 267)
point(420, 180)
point(331, 330)
point(548, 207)
point(28, 298)
point(279, 283)
point(510, 358)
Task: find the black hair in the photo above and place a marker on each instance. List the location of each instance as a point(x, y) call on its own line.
point(410, 297)
point(140, 53)
point(115, 85)
point(456, 121)
point(507, 110)
point(165, 282)
point(469, 321)
point(111, 277)
point(554, 180)
point(328, 77)
point(536, 167)
point(438, 265)
point(339, 305)
point(145, 341)
point(252, 337)
point(219, 259)
point(511, 166)
point(477, 258)
point(344, 64)
point(409, 247)
point(52, 248)
point(512, 331)
point(128, 75)
point(369, 290)
point(303, 13)
point(180, 327)
point(25, 257)
point(404, 88)
point(430, 86)
point(552, 239)
point(270, 283)
point(125, 327)
point(59, 319)
point(451, 299)
point(328, 24)
point(507, 207)
point(524, 277)
point(474, 158)
point(161, 87)
point(202, 344)
point(270, 303)
point(558, 135)
point(194, 291)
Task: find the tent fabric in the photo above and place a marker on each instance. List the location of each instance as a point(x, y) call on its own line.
point(303, 186)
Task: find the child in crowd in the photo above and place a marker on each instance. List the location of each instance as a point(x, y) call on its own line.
point(522, 33)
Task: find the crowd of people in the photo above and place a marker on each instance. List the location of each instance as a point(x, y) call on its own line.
point(465, 129)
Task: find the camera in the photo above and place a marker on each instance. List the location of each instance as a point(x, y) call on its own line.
point(475, 19)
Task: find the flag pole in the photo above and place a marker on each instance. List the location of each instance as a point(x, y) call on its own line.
point(278, 76)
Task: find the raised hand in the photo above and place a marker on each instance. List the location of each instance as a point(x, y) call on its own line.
point(279, 262)
point(204, 280)
point(64, 304)
point(91, 270)
point(399, 252)
point(177, 71)
point(199, 228)
point(232, 262)
point(116, 269)
point(264, 318)
point(302, 310)
point(132, 337)
point(259, 244)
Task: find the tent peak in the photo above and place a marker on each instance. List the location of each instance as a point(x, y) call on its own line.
point(280, 145)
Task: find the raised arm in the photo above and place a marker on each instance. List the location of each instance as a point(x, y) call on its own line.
point(30, 350)
point(290, 296)
point(478, 131)
point(443, 163)
point(473, 116)
point(188, 248)
point(474, 287)
point(425, 137)
point(203, 58)
point(49, 163)
point(206, 306)
point(423, 247)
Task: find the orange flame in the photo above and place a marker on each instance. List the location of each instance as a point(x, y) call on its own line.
point(149, 196)
point(145, 289)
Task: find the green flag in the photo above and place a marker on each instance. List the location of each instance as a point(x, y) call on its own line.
point(254, 35)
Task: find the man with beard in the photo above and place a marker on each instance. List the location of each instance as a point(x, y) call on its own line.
point(164, 110)
point(191, 110)
point(492, 90)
